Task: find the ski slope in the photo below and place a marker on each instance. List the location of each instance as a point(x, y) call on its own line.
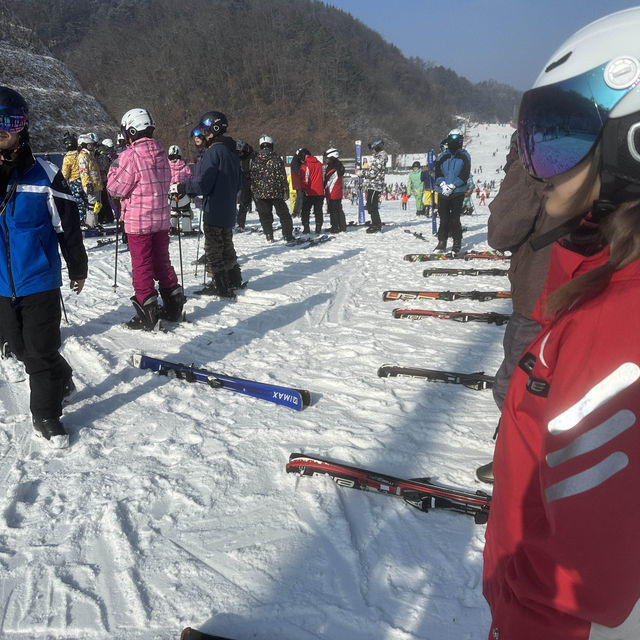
point(172, 507)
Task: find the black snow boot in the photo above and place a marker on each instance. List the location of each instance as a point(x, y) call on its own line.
point(234, 276)
point(147, 316)
point(173, 301)
point(374, 228)
point(441, 246)
point(52, 430)
point(219, 286)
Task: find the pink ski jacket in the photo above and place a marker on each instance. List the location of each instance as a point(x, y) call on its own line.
point(180, 171)
point(140, 177)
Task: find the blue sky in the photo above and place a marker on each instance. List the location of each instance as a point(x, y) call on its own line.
point(504, 40)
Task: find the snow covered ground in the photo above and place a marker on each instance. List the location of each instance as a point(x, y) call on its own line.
point(172, 507)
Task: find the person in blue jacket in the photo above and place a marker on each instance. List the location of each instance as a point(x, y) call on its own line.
point(453, 167)
point(218, 178)
point(38, 216)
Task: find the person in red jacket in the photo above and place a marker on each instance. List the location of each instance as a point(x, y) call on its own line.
point(313, 184)
point(333, 179)
point(562, 557)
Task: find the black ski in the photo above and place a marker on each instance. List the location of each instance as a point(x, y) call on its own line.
point(471, 255)
point(464, 272)
point(419, 492)
point(457, 316)
point(476, 380)
point(483, 296)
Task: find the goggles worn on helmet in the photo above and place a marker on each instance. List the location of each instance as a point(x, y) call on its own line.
point(560, 123)
point(10, 121)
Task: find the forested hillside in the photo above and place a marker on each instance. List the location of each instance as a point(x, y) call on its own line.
point(303, 71)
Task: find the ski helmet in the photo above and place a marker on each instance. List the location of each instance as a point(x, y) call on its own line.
point(302, 154)
point(416, 165)
point(137, 123)
point(93, 137)
point(174, 152)
point(120, 140)
point(587, 94)
point(213, 122)
point(70, 141)
point(265, 141)
point(455, 140)
point(332, 153)
point(377, 144)
point(14, 113)
point(107, 142)
point(83, 140)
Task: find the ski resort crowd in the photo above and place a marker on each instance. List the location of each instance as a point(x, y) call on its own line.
point(561, 558)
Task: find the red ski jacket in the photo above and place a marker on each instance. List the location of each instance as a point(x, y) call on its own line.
point(562, 553)
point(311, 174)
point(333, 181)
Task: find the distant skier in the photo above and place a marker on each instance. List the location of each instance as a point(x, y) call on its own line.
point(313, 184)
point(246, 155)
point(90, 177)
point(71, 173)
point(416, 187)
point(453, 167)
point(333, 180)
point(140, 177)
point(374, 176)
point(270, 189)
point(39, 214)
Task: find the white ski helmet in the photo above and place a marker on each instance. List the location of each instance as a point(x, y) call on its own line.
point(174, 150)
point(265, 139)
point(93, 137)
point(107, 142)
point(84, 139)
point(588, 93)
point(135, 121)
point(332, 153)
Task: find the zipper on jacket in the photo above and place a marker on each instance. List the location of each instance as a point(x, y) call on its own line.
point(8, 247)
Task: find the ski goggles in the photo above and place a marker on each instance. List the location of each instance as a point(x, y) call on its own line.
point(197, 133)
point(10, 121)
point(559, 124)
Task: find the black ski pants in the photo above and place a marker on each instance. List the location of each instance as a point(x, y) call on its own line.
point(316, 203)
point(449, 210)
point(220, 254)
point(373, 207)
point(31, 326)
point(244, 206)
point(336, 215)
point(265, 208)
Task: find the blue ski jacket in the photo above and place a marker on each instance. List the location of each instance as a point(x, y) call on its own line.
point(38, 214)
point(453, 169)
point(218, 178)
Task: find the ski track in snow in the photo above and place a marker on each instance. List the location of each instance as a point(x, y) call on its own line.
point(172, 507)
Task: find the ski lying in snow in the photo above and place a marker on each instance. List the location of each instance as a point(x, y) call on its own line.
point(464, 272)
point(193, 634)
point(483, 296)
point(457, 316)
point(305, 243)
point(420, 492)
point(471, 255)
point(286, 396)
point(99, 231)
point(476, 380)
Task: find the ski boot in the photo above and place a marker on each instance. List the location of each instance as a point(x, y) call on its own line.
point(52, 430)
point(441, 246)
point(147, 316)
point(485, 473)
point(374, 228)
point(173, 302)
point(234, 277)
point(219, 286)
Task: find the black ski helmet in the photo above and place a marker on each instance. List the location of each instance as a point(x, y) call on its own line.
point(14, 113)
point(70, 141)
point(213, 122)
point(455, 140)
point(416, 165)
point(302, 154)
point(377, 144)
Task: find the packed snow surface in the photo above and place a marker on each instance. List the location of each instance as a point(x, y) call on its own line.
point(172, 507)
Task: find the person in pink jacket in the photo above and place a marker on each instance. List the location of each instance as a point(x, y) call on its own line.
point(562, 559)
point(140, 177)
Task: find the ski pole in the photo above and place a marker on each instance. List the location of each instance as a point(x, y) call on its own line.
point(198, 245)
point(64, 311)
point(180, 242)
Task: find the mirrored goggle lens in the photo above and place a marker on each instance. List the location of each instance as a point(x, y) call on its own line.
point(12, 123)
point(559, 124)
point(195, 133)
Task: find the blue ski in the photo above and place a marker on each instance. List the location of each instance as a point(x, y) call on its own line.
point(359, 176)
point(295, 399)
point(431, 166)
